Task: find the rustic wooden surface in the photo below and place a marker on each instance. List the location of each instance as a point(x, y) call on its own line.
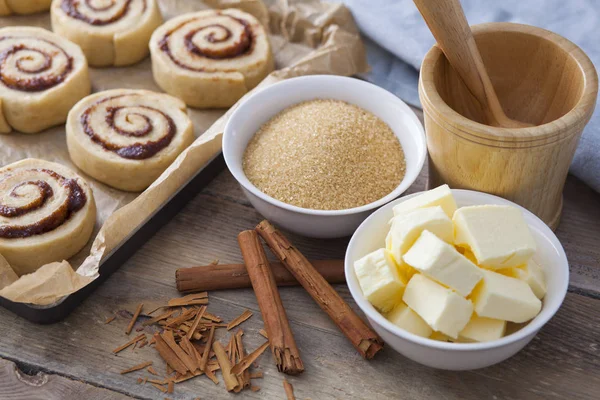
point(561, 362)
point(16, 384)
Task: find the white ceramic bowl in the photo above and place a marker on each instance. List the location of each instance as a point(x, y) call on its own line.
point(265, 104)
point(460, 356)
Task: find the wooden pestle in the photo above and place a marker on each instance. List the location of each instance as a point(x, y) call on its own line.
point(448, 24)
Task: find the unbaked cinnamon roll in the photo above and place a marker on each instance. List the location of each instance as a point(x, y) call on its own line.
point(47, 213)
point(22, 7)
point(42, 76)
point(127, 138)
point(110, 32)
point(210, 58)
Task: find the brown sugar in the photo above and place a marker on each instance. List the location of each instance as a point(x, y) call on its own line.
point(325, 155)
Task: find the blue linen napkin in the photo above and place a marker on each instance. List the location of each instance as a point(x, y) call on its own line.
point(397, 39)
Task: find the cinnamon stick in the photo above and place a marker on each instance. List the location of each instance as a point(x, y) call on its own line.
point(235, 276)
point(283, 346)
point(362, 337)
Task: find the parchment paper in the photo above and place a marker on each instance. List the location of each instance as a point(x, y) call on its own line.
point(307, 37)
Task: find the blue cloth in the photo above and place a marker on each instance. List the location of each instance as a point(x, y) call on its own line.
point(397, 39)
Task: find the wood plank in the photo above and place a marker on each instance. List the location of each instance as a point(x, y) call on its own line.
point(579, 233)
point(17, 385)
point(564, 354)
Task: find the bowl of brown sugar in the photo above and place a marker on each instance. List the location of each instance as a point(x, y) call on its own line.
point(317, 154)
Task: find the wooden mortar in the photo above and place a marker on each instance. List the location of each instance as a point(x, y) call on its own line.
point(540, 78)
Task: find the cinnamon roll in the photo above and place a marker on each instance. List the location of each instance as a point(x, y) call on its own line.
point(42, 76)
point(127, 138)
point(210, 58)
point(47, 213)
point(110, 32)
point(22, 7)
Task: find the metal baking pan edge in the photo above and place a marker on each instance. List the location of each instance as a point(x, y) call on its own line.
point(61, 309)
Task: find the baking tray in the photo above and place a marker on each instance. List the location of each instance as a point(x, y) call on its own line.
point(61, 309)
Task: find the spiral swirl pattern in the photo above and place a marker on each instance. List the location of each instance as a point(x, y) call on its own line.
point(34, 201)
point(211, 58)
point(126, 138)
point(117, 124)
point(103, 12)
point(32, 64)
point(218, 38)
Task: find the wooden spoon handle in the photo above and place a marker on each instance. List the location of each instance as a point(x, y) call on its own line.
point(449, 26)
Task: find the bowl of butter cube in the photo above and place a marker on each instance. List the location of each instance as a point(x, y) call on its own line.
point(456, 279)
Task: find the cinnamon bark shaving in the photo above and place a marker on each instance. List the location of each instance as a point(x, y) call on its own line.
point(289, 390)
point(207, 349)
point(136, 367)
point(191, 299)
point(170, 357)
point(186, 315)
point(247, 361)
point(182, 378)
point(196, 322)
point(131, 342)
point(244, 377)
point(158, 381)
point(134, 318)
point(158, 318)
point(160, 387)
point(238, 320)
point(212, 317)
point(168, 337)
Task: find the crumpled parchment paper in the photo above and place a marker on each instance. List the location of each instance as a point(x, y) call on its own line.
point(307, 37)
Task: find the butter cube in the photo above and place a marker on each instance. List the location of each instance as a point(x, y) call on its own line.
point(505, 298)
point(443, 309)
point(406, 229)
point(440, 196)
point(497, 235)
point(380, 280)
point(439, 336)
point(405, 318)
point(441, 262)
point(468, 254)
point(531, 273)
point(481, 329)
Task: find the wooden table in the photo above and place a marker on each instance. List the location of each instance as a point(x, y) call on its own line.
point(73, 359)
